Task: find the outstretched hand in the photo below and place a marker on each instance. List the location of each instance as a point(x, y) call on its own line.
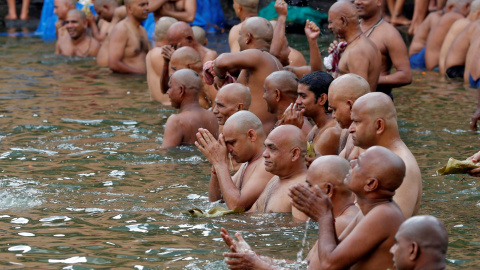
point(292, 116)
point(313, 202)
point(239, 245)
point(215, 151)
point(167, 51)
point(241, 256)
point(312, 31)
point(475, 118)
point(281, 8)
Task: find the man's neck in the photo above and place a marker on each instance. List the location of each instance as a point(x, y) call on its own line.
point(296, 170)
point(321, 119)
point(247, 15)
point(189, 104)
point(134, 21)
point(367, 23)
point(256, 156)
point(367, 204)
point(352, 35)
point(79, 40)
point(390, 141)
point(340, 205)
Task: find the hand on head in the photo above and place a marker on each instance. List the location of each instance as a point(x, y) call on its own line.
point(167, 52)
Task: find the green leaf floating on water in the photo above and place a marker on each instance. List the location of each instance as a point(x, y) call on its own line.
point(214, 212)
point(458, 167)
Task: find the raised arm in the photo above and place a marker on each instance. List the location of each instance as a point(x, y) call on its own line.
point(154, 5)
point(187, 15)
point(279, 31)
point(312, 31)
point(234, 62)
point(399, 56)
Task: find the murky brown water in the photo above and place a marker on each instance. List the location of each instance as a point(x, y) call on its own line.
point(83, 184)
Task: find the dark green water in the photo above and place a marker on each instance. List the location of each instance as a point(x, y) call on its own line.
point(83, 184)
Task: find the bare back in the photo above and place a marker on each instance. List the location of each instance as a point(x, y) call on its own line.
point(436, 37)
point(233, 38)
point(421, 35)
point(471, 64)
point(363, 58)
point(154, 61)
point(457, 53)
point(454, 31)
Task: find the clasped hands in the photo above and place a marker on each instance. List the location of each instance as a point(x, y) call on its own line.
point(214, 150)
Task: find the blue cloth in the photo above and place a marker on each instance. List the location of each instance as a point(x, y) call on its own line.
point(473, 83)
point(417, 61)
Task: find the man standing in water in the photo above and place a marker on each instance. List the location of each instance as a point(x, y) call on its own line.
point(374, 122)
point(77, 42)
point(182, 10)
point(361, 55)
point(128, 43)
point(388, 40)
point(244, 9)
point(184, 88)
point(61, 8)
point(328, 173)
point(243, 138)
point(254, 62)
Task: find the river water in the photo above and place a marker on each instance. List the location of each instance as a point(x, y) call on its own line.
point(84, 185)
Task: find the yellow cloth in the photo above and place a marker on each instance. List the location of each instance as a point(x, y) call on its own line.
point(214, 212)
point(458, 167)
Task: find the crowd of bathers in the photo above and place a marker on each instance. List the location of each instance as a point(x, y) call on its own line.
point(319, 141)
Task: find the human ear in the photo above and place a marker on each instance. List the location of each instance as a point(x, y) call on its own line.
point(329, 190)
point(249, 38)
point(296, 154)
point(414, 251)
point(371, 185)
point(350, 104)
point(277, 95)
point(322, 99)
point(380, 126)
point(240, 107)
point(252, 135)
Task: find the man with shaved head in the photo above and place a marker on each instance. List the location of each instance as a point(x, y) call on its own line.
point(187, 57)
point(77, 42)
point(366, 241)
point(254, 62)
point(284, 158)
point(420, 243)
point(244, 9)
point(243, 138)
point(361, 55)
point(374, 122)
point(182, 10)
point(390, 44)
point(155, 61)
point(326, 172)
point(280, 92)
point(230, 99)
point(184, 88)
point(342, 93)
point(128, 43)
point(61, 8)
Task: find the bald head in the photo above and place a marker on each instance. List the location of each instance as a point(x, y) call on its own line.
point(390, 175)
point(328, 169)
point(342, 93)
point(249, 5)
point(291, 136)
point(161, 27)
point(243, 121)
point(286, 82)
point(421, 241)
point(76, 12)
point(199, 34)
point(189, 79)
point(377, 105)
point(344, 8)
point(236, 93)
point(180, 34)
point(475, 6)
point(185, 57)
point(259, 28)
point(100, 3)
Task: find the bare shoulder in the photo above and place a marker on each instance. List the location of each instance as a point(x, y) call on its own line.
point(119, 28)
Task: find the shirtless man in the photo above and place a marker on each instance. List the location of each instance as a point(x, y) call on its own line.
point(439, 31)
point(312, 102)
point(420, 243)
point(61, 8)
point(77, 42)
point(374, 122)
point(244, 9)
point(187, 57)
point(284, 156)
point(280, 91)
point(128, 43)
point(460, 56)
point(109, 14)
point(243, 138)
point(287, 55)
point(182, 10)
point(361, 56)
point(184, 88)
point(342, 93)
point(155, 62)
point(455, 30)
point(230, 99)
point(328, 173)
point(366, 242)
point(254, 63)
point(391, 45)
point(200, 35)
